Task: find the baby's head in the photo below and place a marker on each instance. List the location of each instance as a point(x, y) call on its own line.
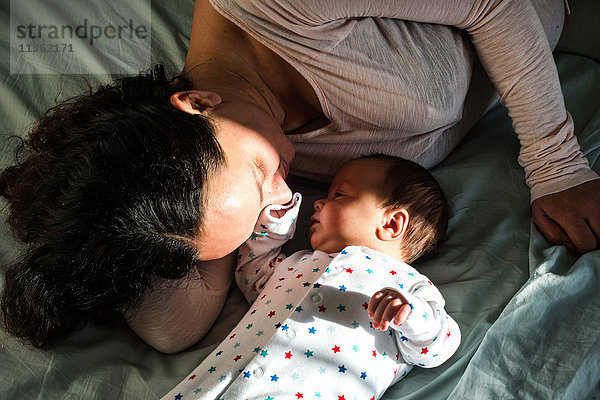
point(386, 203)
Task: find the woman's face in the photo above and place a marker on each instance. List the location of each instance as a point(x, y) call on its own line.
point(258, 156)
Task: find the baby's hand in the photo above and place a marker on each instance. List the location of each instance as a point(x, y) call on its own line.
point(385, 305)
point(279, 210)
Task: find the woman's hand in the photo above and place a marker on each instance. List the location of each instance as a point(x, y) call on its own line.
point(571, 217)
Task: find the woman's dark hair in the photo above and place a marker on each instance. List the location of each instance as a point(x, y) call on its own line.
point(410, 186)
point(106, 194)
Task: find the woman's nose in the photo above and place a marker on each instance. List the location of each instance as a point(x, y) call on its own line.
point(278, 193)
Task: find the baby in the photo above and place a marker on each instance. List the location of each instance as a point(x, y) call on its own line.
point(318, 324)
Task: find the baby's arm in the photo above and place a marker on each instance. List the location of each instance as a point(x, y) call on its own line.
point(426, 335)
point(261, 253)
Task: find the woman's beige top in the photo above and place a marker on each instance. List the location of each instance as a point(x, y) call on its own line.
point(404, 78)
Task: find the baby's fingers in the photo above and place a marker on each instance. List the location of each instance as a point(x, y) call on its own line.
point(402, 314)
point(385, 314)
point(374, 302)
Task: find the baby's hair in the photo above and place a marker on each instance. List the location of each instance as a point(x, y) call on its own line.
point(408, 185)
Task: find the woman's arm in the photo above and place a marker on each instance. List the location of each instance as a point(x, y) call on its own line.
point(178, 314)
point(513, 47)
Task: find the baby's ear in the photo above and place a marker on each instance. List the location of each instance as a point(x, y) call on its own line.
point(394, 224)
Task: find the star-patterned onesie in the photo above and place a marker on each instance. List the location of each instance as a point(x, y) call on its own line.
point(308, 335)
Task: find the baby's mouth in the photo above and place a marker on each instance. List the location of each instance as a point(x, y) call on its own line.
point(313, 224)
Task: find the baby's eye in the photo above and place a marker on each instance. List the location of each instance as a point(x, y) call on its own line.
point(337, 194)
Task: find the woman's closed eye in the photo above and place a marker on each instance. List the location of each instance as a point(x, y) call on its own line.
point(260, 175)
point(261, 168)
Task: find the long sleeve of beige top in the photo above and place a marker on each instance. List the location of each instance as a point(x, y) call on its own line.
point(390, 82)
point(177, 314)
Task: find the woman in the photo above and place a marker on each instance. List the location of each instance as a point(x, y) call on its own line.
point(128, 190)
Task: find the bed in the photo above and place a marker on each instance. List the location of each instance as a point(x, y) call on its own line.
point(529, 313)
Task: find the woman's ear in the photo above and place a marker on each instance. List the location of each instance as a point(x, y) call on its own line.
point(195, 101)
point(394, 224)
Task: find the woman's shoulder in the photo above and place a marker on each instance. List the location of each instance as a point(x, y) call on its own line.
point(293, 29)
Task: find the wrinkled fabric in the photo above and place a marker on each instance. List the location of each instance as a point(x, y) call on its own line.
point(408, 78)
point(546, 342)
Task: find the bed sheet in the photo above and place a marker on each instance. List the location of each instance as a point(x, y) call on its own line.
point(522, 307)
point(546, 342)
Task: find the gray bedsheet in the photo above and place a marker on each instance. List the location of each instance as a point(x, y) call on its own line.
point(529, 314)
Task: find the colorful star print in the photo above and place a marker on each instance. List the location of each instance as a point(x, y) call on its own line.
point(311, 315)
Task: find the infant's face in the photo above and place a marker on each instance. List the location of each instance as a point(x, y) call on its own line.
point(351, 213)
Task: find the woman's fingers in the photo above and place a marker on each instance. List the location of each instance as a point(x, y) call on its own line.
point(571, 217)
point(581, 235)
point(552, 231)
point(594, 224)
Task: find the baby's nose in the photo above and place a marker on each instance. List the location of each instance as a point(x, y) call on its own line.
point(318, 204)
